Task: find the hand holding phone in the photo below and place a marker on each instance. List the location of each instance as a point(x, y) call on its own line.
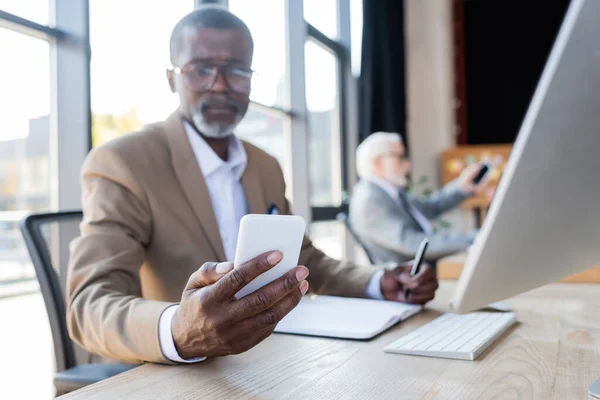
point(473, 178)
point(482, 173)
point(264, 233)
point(416, 267)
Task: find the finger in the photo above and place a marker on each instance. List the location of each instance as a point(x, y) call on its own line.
point(389, 283)
point(420, 298)
point(402, 272)
point(207, 274)
point(427, 288)
point(253, 339)
point(473, 169)
point(244, 274)
point(414, 298)
point(483, 183)
point(406, 280)
point(486, 177)
point(269, 295)
point(405, 267)
point(426, 273)
point(256, 329)
point(270, 318)
point(400, 296)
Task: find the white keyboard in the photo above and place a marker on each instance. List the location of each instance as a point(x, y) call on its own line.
point(462, 337)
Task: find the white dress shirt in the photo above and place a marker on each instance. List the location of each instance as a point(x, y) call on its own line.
point(224, 183)
point(223, 180)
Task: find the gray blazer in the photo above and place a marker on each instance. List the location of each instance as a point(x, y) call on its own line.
point(389, 231)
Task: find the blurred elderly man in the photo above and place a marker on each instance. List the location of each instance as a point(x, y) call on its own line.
point(392, 222)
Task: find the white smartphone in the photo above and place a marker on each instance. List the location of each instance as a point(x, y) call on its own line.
point(263, 233)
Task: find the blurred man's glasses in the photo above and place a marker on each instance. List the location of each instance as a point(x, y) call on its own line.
point(399, 156)
point(201, 77)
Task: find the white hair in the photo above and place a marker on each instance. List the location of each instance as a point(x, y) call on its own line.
point(373, 146)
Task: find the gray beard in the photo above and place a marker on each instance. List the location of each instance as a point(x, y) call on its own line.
point(214, 131)
point(400, 181)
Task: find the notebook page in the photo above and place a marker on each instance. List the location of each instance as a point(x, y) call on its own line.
point(344, 317)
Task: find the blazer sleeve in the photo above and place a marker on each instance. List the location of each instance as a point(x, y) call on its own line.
point(383, 227)
point(106, 313)
point(441, 201)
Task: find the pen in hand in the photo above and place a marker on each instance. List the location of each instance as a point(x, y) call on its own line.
point(417, 263)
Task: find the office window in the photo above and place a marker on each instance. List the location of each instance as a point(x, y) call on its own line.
point(322, 14)
point(356, 30)
point(266, 20)
point(261, 126)
point(130, 54)
point(25, 130)
point(33, 10)
point(265, 130)
point(24, 144)
point(322, 99)
point(328, 236)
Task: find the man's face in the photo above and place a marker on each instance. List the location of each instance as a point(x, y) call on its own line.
point(214, 110)
point(393, 165)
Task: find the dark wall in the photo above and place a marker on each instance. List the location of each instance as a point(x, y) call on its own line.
point(382, 80)
point(506, 47)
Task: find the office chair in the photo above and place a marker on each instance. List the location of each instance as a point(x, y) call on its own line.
point(343, 217)
point(47, 238)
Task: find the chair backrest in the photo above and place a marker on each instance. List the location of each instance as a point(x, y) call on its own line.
point(47, 237)
point(343, 217)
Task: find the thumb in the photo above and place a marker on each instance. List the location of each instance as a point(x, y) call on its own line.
point(407, 280)
point(473, 168)
point(208, 274)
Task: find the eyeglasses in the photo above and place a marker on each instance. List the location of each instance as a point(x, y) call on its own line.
point(201, 77)
point(399, 156)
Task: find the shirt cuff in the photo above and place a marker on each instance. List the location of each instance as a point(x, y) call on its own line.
point(374, 287)
point(165, 337)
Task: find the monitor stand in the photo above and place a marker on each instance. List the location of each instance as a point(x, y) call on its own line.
point(594, 390)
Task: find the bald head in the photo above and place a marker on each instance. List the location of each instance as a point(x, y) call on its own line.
point(214, 17)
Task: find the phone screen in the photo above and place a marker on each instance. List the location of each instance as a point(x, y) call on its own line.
point(482, 172)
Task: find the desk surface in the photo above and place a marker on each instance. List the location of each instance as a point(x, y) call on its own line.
point(554, 353)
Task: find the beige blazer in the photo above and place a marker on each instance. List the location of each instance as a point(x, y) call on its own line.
point(148, 225)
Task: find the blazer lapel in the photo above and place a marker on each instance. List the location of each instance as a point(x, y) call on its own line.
point(192, 182)
point(404, 206)
point(252, 187)
point(410, 209)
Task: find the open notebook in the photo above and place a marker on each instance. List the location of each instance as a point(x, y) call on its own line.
point(345, 318)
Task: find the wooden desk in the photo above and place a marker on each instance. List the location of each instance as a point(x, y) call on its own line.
point(451, 267)
point(554, 353)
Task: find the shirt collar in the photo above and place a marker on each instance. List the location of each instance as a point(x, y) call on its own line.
point(209, 161)
point(391, 189)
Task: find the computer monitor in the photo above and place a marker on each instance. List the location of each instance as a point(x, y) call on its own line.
point(544, 222)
